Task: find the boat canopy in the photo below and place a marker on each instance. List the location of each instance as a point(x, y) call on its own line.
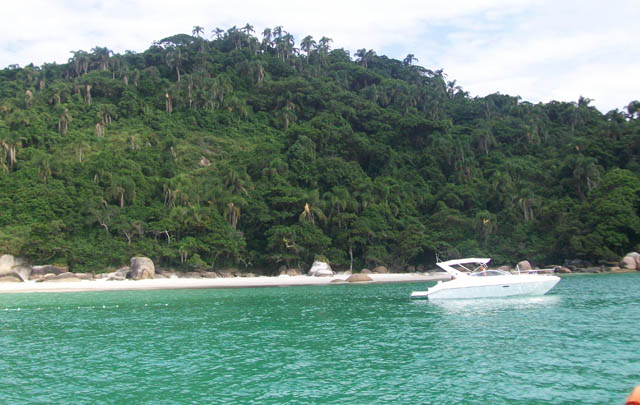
point(448, 265)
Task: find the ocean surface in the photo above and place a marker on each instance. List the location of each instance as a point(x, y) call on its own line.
point(337, 344)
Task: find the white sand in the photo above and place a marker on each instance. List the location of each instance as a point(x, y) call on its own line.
point(182, 283)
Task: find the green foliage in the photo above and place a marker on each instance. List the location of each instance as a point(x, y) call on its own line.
point(245, 152)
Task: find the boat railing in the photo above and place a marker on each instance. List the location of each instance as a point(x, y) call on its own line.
point(550, 270)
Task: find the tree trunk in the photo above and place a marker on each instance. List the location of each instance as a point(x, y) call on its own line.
point(350, 258)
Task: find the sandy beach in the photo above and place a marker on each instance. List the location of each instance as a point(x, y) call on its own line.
point(184, 283)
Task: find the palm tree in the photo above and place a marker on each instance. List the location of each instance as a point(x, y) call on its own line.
point(102, 55)
point(248, 29)
point(288, 113)
point(197, 31)
point(168, 105)
point(44, 167)
point(116, 190)
point(312, 208)
point(3, 165)
point(237, 182)
point(323, 47)
point(63, 122)
point(288, 48)
point(174, 59)
point(28, 98)
point(87, 93)
point(218, 32)
point(99, 129)
point(277, 32)
point(266, 39)
point(307, 45)
point(361, 54)
point(323, 44)
point(80, 62)
point(409, 59)
point(232, 212)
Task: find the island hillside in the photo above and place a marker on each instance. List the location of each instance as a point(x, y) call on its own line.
point(256, 151)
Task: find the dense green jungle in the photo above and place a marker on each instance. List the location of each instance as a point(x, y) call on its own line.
point(246, 151)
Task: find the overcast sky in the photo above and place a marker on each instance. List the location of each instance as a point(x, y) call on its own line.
point(540, 50)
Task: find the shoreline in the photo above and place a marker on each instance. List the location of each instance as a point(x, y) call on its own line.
point(206, 283)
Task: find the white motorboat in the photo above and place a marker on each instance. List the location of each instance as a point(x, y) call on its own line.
point(471, 278)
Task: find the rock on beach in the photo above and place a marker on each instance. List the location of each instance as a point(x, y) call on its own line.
point(358, 278)
point(631, 261)
point(320, 269)
point(142, 268)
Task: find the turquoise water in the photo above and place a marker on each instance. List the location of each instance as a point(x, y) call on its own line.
point(340, 344)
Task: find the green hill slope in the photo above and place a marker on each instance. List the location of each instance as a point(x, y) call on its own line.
point(248, 152)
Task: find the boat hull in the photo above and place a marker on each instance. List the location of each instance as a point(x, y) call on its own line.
point(511, 286)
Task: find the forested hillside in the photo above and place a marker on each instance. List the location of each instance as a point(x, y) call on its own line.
point(246, 150)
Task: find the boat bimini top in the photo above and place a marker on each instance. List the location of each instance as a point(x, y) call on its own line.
point(448, 266)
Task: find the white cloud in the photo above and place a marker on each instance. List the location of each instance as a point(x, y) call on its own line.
point(538, 49)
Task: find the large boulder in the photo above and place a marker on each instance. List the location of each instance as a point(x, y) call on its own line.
point(39, 271)
point(24, 270)
point(293, 272)
point(562, 270)
point(6, 263)
point(11, 266)
point(229, 272)
point(11, 277)
point(190, 274)
point(631, 261)
point(63, 277)
point(359, 278)
point(141, 268)
point(121, 274)
point(320, 269)
point(524, 265)
point(380, 270)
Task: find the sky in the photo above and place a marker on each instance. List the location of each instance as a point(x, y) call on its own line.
point(540, 50)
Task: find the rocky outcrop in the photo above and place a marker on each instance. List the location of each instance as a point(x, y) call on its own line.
point(6, 263)
point(229, 273)
point(11, 277)
point(141, 268)
point(562, 270)
point(320, 269)
point(63, 277)
point(24, 270)
point(631, 261)
point(11, 267)
point(524, 265)
point(293, 272)
point(40, 271)
point(118, 275)
point(380, 270)
point(359, 278)
point(365, 271)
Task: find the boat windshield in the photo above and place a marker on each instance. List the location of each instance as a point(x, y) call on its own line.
point(489, 273)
